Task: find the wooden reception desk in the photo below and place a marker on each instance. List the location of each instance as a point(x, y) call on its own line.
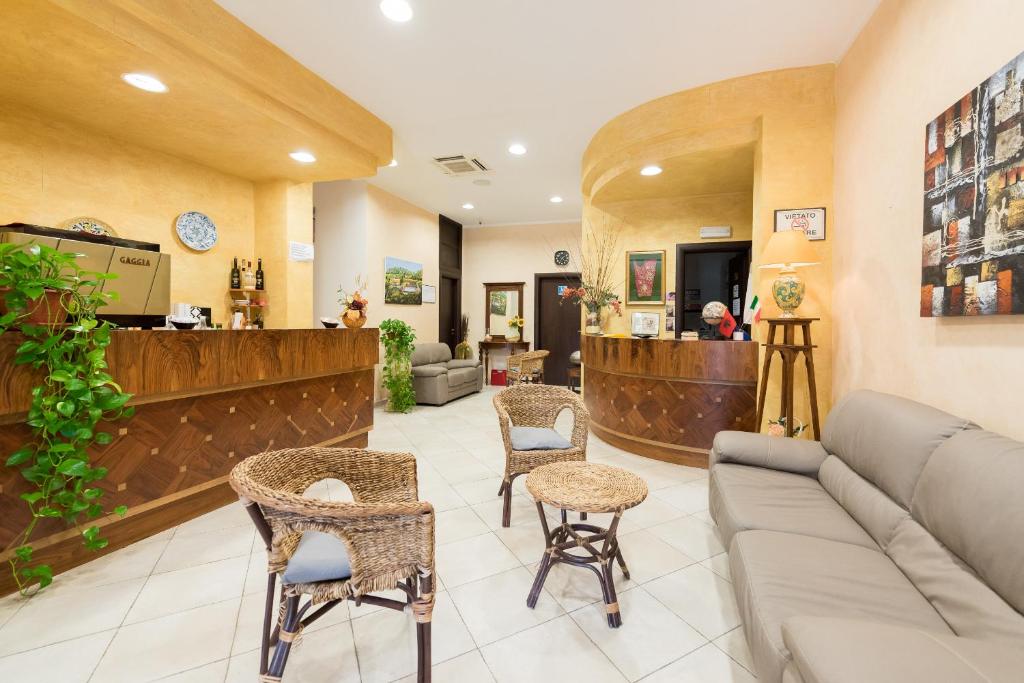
point(203, 401)
point(667, 399)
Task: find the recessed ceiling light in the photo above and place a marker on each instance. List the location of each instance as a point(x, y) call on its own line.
point(396, 10)
point(556, 199)
point(303, 157)
point(650, 170)
point(144, 82)
point(468, 206)
point(517, 149)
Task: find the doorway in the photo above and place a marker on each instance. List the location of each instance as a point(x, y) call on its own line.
point(556, 326)
point(710, 271)
point(449, 294)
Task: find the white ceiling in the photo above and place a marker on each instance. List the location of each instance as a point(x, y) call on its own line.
point(473, 76)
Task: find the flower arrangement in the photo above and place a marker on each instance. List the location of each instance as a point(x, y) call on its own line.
point(515, 323)
point(597, 262)
point(354, 313)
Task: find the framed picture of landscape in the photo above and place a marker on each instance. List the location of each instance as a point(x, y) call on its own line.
point(645, 277)
point(403, 281)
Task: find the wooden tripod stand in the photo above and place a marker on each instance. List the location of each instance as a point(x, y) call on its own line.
point(789, 350)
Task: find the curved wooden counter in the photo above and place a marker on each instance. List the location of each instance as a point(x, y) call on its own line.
point(667, 399)
point(204, 400)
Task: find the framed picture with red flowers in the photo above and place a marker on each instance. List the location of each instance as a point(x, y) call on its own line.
point(645, 277)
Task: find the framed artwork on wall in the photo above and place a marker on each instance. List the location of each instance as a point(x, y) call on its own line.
point(972, 255)
point(811, 221)
point(645, 277)
point(403, 281)
point(429, 294)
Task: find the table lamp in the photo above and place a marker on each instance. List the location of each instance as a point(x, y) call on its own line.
point(788, 250)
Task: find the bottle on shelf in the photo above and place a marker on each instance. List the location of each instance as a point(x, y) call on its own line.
point(248, 277)
point(259, 274)
point(236, 275)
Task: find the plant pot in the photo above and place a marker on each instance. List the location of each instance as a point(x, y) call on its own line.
point(46, 310)
point(593, 325)
point(354, 319)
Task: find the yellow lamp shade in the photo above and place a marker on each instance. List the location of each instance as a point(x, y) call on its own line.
point(788, 249)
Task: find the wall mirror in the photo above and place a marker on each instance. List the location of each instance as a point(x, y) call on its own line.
point(504, 301)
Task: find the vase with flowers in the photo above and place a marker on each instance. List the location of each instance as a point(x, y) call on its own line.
point(515, 328)
point(595, 300)
point(354, 304)
point(597, 258)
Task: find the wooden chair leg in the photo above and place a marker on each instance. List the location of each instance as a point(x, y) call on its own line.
point(269, 616)
point(423, 656)
point(289, 629)
point(506, 512)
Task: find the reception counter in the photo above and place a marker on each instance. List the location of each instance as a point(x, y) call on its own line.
point(666, 399)
point(203, 401)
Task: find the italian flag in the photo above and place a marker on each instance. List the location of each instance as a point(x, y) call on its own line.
point(752, 314)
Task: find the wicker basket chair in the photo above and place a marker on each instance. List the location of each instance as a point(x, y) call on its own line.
point(536, 405)
point(387, 532)
point(526, 367)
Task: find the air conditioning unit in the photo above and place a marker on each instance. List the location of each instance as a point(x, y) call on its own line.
point(710, 232)
point(461, 165)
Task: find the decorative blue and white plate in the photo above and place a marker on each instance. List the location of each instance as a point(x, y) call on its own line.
point(196, 230)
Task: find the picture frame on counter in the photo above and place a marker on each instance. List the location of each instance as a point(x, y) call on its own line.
point(645, 324)
point(811, 221)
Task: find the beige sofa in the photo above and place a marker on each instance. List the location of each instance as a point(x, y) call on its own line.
point(893, 550)
point(437, 379)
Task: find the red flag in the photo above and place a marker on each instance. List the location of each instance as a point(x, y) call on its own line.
point(727, 325)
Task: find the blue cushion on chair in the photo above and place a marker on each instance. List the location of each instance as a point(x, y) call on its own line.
point(319, 557)
point(537, 439)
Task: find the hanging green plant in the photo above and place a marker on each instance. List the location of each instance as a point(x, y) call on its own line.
point(40, 288)
point(398, 339)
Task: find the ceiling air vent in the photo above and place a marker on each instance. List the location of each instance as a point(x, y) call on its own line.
point(460, 165)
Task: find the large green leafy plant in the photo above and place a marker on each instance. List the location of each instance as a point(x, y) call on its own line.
point(74, 395)
point(398, 339)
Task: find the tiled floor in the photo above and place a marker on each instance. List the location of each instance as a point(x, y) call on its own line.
point(185, 606)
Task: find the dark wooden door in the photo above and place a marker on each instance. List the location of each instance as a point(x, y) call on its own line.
point(448, 312)
point(557, 325)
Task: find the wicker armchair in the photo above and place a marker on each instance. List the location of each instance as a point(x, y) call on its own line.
point(526, 367)
point(388, 533)
point(536, 405)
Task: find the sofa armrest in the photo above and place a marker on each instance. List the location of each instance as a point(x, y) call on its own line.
point(452, 364)
point(773, 452)
point(429, 370)
point(831, 650)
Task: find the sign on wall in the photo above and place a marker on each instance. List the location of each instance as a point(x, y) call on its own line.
point(811, 221)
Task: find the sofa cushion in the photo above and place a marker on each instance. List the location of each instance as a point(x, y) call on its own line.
point(866, 503)
point(318, 557)
point(970, 497)
point(774, 452)
point(428, 370)
point(465, 363)
point(887, 439)
point(777, 576)
point(537, 439)
point(743, 497)
point(854, 651)
point(459, 376)
point(427, 353)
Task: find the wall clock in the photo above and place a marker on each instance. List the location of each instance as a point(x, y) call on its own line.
point(561, 257)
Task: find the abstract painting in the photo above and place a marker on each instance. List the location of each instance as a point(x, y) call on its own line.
point(403, 281)
point(972, 258)
point(645, 277)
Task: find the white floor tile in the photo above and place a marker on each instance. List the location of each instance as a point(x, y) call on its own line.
point(184, 589)
point(689, 497)
point(135, 561)
point(70, 661)
point(719, 564)
point(473, 558)
point(706, 665)
point(648, 557)
point(651, 512)
point(700, 597)
point(554, 651)
point(650, 637)
point(232, 515)
point(62, 612)
point(208, 673)
point(467, 668)
point(524, 511)
point(495, 607)
point(734, 644)
point(200, 548)
point(526, 541)
point(690, 536)
point(458, 524)
point(161, 647)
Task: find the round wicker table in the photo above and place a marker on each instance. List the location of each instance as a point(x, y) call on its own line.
point(584, 487)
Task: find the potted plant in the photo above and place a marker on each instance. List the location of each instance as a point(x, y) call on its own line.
point(354, 305)
point(597, 289)
point(398, 339)
point(463, 351)
point(515, 324)
point(74, 395)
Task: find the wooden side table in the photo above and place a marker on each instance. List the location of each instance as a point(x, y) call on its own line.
point(485, 347)
point(788, 349)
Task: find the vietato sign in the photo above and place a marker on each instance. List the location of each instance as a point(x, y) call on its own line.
point(811, 221)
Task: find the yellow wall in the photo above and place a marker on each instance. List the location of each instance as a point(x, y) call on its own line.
point(511, 253)
point(890, 84)
point(788, 115)
point(284, 213)
point(51, 171)
point(400, 229)
point(661, 224)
